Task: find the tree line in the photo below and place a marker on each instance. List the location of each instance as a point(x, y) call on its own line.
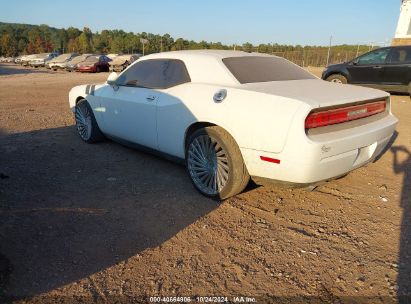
point(17, 39)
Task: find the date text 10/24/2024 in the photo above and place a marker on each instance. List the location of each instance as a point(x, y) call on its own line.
point(205, 299)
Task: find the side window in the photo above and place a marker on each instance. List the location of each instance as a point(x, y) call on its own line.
point(400, 56)
point(155, 74)
point(176, 73)
point(375, 57)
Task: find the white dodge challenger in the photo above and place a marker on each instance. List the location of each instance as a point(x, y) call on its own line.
point(233, 115)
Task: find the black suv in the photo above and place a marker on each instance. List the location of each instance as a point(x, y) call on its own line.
point(387, 68)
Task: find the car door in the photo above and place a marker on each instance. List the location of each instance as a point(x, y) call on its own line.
point(130, 105)
point(173, 115)
point(398, 68)
point(369, 68)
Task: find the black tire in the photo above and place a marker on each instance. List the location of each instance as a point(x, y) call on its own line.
point(98, 69)
point(86, 123)
point(337, 78)
point(235, 178)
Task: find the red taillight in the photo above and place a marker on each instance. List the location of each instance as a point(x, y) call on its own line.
point(340, 115)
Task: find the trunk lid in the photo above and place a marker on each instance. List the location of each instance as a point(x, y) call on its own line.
point(317, 93)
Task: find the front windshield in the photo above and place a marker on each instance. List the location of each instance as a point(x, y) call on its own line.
point(79, 59)
point(42, 56)
point(63, 57)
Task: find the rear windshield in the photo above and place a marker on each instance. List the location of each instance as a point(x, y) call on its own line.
point(253, 69)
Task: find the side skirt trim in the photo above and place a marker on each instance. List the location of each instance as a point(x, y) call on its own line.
point(147, 150)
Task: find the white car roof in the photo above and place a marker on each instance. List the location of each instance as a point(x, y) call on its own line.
point(219, 54)
point(205, 66)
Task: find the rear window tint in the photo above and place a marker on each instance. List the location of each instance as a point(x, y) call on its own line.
point(175, 73)
point(400, 55)
point(251, 69)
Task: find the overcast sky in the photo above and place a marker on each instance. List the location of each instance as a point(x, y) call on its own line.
point(306, 22)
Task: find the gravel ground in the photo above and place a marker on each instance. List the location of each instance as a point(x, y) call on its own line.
point(104, 223)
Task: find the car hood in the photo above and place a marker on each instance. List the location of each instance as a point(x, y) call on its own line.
point(315, 92)
point(58, 60)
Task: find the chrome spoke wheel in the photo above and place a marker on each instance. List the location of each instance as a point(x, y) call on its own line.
point(83, 121)
point(208, 164)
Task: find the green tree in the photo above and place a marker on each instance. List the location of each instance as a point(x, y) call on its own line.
point(84, 41)
point(118, 45)
point(62, 38)
point(8, 45)
point(248, 47)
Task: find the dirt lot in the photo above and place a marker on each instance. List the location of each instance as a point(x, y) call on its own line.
point(103, 223)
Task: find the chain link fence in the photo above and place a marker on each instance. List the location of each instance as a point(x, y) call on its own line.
point(316, 58)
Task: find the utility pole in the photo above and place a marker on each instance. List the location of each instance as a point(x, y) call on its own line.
point(143, 41)
point(161, 43)
point(303, 57)
point(329, 50)
point(358, 50)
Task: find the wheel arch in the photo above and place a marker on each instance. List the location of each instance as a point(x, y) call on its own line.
point(194, 127)
point(342, 73)
point(79, 98)
point(203, 124)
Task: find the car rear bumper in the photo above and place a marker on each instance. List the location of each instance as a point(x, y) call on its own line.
point(323, 158)
point(86, 69)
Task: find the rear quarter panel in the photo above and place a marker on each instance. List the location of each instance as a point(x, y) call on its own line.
point(255, 120)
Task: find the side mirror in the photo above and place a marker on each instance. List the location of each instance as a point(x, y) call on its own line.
point(112, 78)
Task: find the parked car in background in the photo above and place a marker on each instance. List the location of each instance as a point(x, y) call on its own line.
point(40, 60)
point(72, 64)
point(387, 68)
point(25, 59)
point(60, 61)
point(121, 62)
point(7, 59)
point(230, 115)
point(112, 56)
point(17, 60)
point(94, 64)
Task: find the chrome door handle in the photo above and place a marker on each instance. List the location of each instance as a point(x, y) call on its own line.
point(151, 98)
